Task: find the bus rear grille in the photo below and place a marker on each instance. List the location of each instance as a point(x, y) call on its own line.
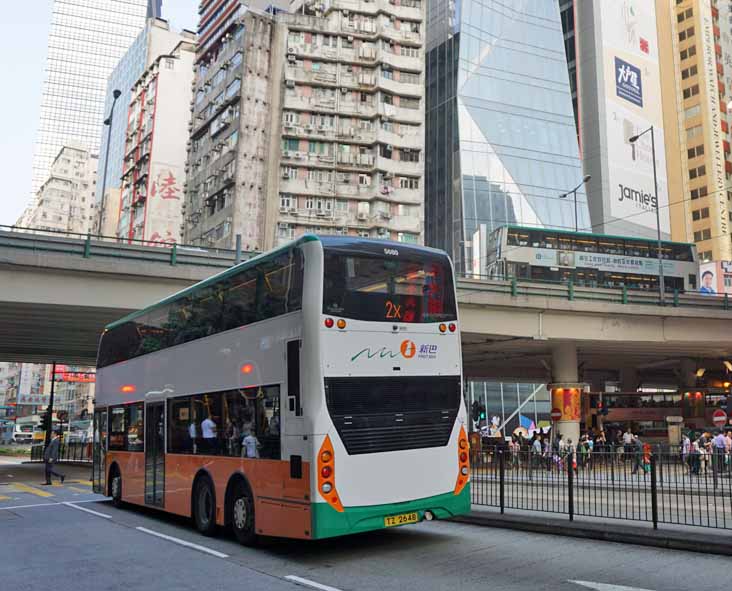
point(375, 415)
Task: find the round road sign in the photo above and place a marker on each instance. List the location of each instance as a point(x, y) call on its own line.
point(556, 414)
point(719, 418)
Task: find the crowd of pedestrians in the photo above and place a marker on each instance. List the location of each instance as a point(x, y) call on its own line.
point(542, 450)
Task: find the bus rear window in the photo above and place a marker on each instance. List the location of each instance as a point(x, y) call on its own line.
point(386, 289)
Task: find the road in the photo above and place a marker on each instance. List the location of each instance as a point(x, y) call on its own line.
point(66, 538)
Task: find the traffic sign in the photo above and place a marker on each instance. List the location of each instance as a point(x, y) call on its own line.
point(556, 414)
point(719, 418)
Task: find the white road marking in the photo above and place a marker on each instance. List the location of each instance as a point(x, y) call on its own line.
point(183, 543)
point(45, 505)
point(606, 586)
point(97, 513)
point(312, 584)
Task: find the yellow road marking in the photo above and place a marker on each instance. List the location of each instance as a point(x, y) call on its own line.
point(32, 490)
point(83, 482)
point(4, 498)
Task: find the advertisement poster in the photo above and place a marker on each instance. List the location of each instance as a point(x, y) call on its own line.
point(567, 400)
point(633, 104)
point(715, 278)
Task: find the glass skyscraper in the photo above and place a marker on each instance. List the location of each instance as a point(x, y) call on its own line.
point(501, 141)
point(86, 40)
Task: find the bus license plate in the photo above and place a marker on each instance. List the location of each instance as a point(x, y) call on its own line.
point(402, 519)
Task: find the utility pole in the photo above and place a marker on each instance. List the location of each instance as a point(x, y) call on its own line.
point(49, 409)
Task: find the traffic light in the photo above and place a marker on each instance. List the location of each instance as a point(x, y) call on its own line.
point(475, 411)
point(482, 412)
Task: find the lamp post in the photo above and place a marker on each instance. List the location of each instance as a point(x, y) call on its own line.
point(108, 122)
point(661, 281)
point(585, 180)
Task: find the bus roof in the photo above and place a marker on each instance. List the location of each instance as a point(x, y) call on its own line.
point(591, 235)
point(338, 242)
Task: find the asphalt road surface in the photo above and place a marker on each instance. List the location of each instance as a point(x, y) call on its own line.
point(66, 538)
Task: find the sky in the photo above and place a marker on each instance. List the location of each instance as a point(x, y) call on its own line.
point(25, 37)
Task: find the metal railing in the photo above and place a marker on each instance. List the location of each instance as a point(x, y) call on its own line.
point(571, 291)
point(92, 246)
point(659, 487)
point(68, 452)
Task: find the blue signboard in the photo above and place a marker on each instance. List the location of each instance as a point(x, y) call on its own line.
point(628, 84)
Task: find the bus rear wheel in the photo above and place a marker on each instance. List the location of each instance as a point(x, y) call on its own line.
point(204, 507)
point(242, 515)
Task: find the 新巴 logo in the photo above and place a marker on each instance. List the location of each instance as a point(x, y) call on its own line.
point(408, 349)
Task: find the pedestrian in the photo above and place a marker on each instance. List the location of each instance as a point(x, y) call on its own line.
point(637, 448)
point(536, 451)
point(628, 443)
point(719, 444)
point(208, 434)
point(50, 456)
point(685, 448)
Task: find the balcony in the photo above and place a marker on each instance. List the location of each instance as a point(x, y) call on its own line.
point(316, 77)
point(415, 116)
point(401, 62)
point(408, 37)
point(355, 134)
point(357, 108)
point(309, 103)
point(398, 167)
point(401, 88)
point(360, 161)
point(406, 140)
point(307, 187)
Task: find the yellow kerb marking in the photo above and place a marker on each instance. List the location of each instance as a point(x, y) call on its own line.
point(32, 490)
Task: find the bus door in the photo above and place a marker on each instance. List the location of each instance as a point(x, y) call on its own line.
point(293, 426)
point(155, 454)
point(99, 452)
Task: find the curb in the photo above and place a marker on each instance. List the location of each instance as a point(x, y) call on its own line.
point(672, 540)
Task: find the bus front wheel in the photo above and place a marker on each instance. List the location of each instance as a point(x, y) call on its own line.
point(242, 514)
point(204, 507)
point(116, 488)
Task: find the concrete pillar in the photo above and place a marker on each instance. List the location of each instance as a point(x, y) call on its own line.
point(628, 379)
point(565, 391)
point(687, 374)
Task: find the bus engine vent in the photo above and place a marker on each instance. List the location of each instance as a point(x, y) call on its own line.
point(384, 414)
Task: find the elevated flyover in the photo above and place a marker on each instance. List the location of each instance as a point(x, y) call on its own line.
point(58, 292)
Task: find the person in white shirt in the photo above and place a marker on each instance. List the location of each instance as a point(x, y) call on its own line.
point(250, 446)
point(192, 434)
point(208, 434)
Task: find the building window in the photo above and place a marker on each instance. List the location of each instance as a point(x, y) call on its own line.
point(692, 111)
point(691, 91)
point(696, 151)
point(697, 172)
point(687, 72)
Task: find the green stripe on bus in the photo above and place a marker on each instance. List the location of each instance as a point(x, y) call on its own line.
point(328, 523)
point(218, 277)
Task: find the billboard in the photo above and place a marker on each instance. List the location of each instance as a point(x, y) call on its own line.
point(715, 278)
point(164, 215)
point(632, 92)
point(31, 385)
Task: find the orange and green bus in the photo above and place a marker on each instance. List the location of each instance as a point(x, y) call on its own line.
point(309, 392)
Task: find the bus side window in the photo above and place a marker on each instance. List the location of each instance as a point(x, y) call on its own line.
point(293, 377)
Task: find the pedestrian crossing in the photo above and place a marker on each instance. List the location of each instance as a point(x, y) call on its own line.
point(18, 491)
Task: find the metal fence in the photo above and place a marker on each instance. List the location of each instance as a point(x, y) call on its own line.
point(661, 487)
point(68, 452)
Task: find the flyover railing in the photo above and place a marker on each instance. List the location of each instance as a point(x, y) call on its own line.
point(571, 291)
point(658, 486)
point(112, 247)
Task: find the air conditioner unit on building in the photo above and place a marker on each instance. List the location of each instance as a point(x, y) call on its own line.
point(308, 128)
point(285, 154)
point(285, 174)
point(291, 51)
point(345, 13)
point(385, 215)
point(291, 58)
point(290, 83)
point(283, 210)
point(362, 216)
point(350, 38)
point(382, 231)
point(344, 90)
point(293, 210)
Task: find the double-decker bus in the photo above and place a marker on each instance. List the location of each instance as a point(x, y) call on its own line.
point(309, 392)
point(592, 260)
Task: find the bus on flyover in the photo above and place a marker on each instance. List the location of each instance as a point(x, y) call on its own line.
point(309, 392)
point(591, 260)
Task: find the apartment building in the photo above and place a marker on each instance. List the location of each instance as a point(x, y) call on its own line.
point(156, 38)
point(9, 377)
point(697, 67)
point(151, 201)
point(351, 133)
point(310, 121)
point(65, 201)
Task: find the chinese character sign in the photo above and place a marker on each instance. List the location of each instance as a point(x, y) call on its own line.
point(164, 213)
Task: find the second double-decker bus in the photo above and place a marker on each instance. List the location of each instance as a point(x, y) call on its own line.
point(309, 392)
point(592, 260)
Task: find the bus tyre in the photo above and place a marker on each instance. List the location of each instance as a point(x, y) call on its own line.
point(242, 515)
point(204, 507)
point(116, 488)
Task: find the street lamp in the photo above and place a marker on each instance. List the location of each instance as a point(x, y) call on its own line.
point(661, 282)
point(108, 122)
point(585, 180)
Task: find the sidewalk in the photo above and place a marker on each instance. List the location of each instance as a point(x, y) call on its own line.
point(692, 539)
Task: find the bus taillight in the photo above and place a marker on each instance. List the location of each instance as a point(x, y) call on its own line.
point(443, 328)
point(463, 462)
point(328, 323)
point(326, 475)
point(452, 327)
